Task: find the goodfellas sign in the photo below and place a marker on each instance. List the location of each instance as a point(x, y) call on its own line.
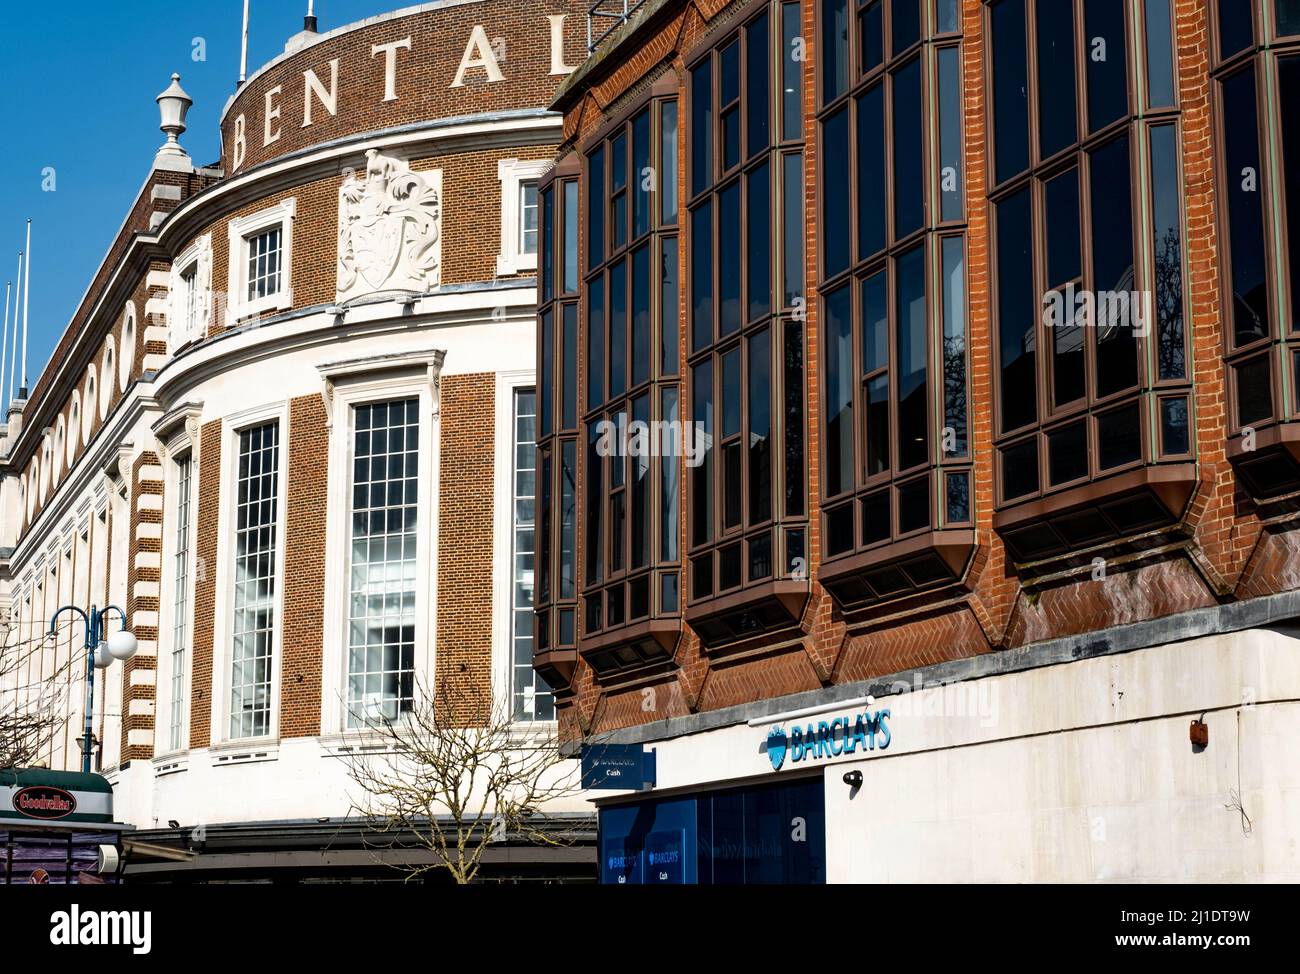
point(37, 795)
point(864, 731)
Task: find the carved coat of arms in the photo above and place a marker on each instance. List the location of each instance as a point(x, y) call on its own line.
point(390, 229)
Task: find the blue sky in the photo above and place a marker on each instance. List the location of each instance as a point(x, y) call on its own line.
point(78, 96)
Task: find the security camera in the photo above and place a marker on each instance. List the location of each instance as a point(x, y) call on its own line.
point(853, 779)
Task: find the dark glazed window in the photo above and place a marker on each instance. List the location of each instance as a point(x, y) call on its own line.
point(1067, 454)
point(1244, 189)
point(670, 297)
point(702, 476)
point(951, 173)
point(1010, 88)
point(1236, 26)
point(570, 276)
point(641, 302)
point(909, 151)
point(729, 260)
point(569, 369)
point(596, 208)
point(836, 192)
point(760, 427)
point(702, 127)
point(1288, 18)
point(953, 295)
point(947, 16)
point(1016, 311)
point(873, 205)
point(595, 343)
point(791, 73)
point(905, 29)
point(1288, 75)
point(839, 392)
point(1160, 54)
point(1106, 57)
point(1254, 391)
point(642, 173)
point(1119, 437)
point(1167, 196)
point(668, 162)
point(757, 70)
point(913, 421)
point(1057, 115)
point(835, 49)
point(1174, 426)
point(1020, 470)
point(793, 390)
point(871, 28)
point(792, 218)
point(702, 276)
point(547, 271)
point(758, 192)
point(1112, 261)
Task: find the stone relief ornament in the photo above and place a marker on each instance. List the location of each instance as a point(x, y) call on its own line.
point(390, 229)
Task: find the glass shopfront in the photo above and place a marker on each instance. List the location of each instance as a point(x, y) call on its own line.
point(761, 834)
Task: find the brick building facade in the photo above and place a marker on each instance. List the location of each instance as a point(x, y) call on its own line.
point(984, 311)
point(287, 432)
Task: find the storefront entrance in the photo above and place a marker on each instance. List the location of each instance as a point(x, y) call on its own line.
point(760, 834)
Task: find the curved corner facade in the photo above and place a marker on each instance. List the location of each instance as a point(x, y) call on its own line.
point(290, 429)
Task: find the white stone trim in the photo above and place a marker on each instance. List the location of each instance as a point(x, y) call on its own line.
point(513, 173)
point(222, 639)
point(197, 257)
point(239, 230)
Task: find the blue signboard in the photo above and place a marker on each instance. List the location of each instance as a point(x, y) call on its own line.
point(665, 857)
point(617, 767)
point(623, 864)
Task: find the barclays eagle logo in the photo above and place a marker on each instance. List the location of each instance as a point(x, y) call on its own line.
point(777, 744)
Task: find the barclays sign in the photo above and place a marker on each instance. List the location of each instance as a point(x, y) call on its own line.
point(866, 730)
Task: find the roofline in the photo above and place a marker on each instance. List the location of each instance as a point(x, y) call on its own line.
point(571, 88)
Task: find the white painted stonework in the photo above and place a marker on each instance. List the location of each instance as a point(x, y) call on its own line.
point(390, 229)
point(1081, 772)
point(184, 328)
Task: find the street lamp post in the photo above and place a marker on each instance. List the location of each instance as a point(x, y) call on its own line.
point(101, 649)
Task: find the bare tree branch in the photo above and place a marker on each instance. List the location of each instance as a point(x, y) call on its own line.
point(33, 705)
point(455, 775)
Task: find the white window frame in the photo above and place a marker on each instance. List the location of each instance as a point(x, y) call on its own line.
point(182, 442)
point(513, 173)
point(360, 383)
point(223, 627)
point(240, 230)
point(503, 537)
point(181, 331)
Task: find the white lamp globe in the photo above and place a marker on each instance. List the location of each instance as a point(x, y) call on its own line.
point(102, 659)
point(121, 645)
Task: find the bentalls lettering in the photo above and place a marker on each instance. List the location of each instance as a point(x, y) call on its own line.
point(484, 59)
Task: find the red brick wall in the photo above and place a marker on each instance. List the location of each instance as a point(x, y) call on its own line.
point(465, 515)
point(304, 568)
point(205, 583)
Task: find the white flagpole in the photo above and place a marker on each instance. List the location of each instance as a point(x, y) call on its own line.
point(4, 356)
point(27, 297)
point(18, 303)
point(243, 51)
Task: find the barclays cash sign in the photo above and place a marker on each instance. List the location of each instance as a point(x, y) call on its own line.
point(864, 731)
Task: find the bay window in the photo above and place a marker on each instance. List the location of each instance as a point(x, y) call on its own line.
point(1090, 337)
point(1256, 71)
point(744, 363)
point(896, 490)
